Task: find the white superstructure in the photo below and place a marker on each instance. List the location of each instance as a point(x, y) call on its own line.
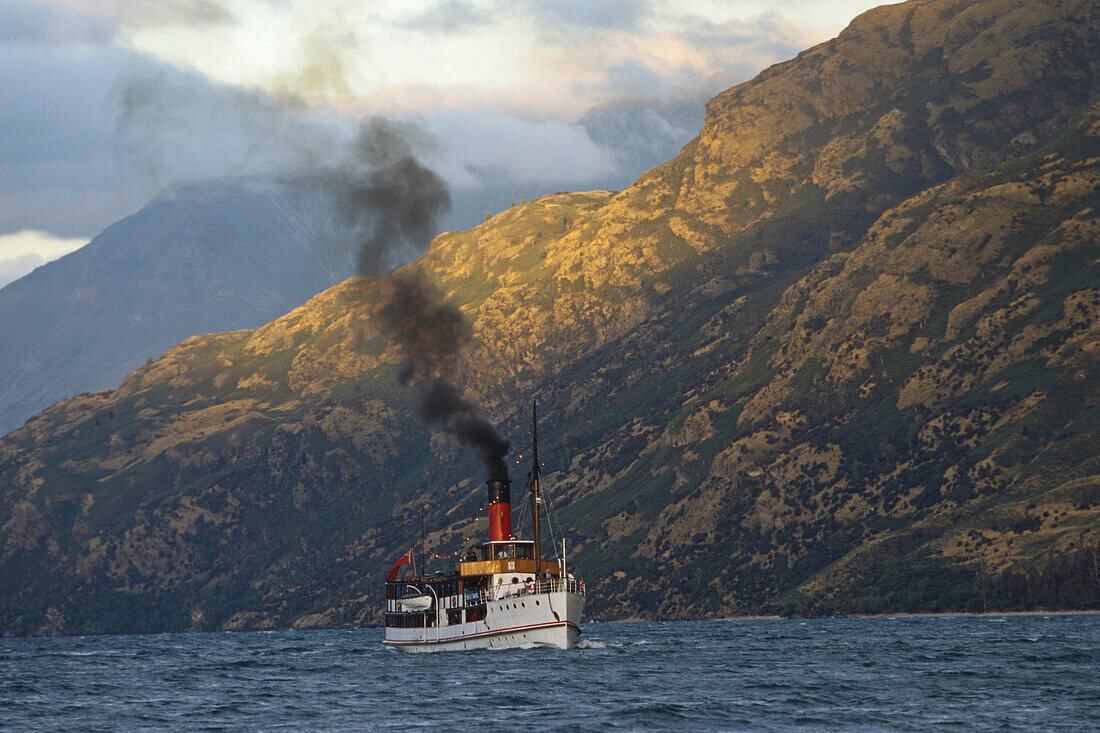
point(527, 613)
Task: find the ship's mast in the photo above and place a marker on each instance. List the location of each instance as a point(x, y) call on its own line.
point(536, 500)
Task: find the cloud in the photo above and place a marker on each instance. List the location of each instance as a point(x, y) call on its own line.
point(322, 68)
point(532, 56)
point(641, 133)
point(448, 17)
point(57, 168)
point(61, 68)
point(178, 126)
point(90, 130)
point(168, 12)
point(44, 244)
point(71, 21)
point(567, 72)
point(474, 148)
point(23, 251)
point(697, 58)
point(574, 14)
point(40, 24)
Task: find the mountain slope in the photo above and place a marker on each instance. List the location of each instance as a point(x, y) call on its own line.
point(926, 400)
point(199, 259)
point(840, 354)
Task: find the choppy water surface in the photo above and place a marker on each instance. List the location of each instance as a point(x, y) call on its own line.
point(942, 673)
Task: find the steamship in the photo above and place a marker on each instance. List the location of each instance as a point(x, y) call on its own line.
point(502, 593)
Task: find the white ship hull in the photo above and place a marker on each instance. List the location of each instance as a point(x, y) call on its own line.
point(524, 620)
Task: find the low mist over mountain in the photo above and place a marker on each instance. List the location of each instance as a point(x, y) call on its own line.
point(839, 355)
point(643, 133)
point(197, 259)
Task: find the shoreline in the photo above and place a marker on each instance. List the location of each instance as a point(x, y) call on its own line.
point(937, 614)
point(929, 614)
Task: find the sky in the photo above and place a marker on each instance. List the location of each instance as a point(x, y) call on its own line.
point(104, 103)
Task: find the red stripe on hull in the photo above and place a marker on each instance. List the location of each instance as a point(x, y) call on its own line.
point(491, 632)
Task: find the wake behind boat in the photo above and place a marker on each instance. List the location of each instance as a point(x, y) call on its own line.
point(502, 593)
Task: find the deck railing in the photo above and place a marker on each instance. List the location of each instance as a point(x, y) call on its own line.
point(496, 593)
point(554, 585)
point(557, 585)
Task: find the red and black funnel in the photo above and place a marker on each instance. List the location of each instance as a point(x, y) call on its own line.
point(500, 510)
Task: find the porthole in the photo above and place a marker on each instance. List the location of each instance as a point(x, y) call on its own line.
point(515, 580)
point(536, 603)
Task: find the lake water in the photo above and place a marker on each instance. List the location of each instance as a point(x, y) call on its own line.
point(932, 673)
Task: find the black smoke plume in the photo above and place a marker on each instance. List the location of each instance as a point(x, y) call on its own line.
point(444, 405)
point(393, 201)
point(389, 198)
point(432, 333)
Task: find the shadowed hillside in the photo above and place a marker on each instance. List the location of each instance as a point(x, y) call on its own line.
point(200, 258)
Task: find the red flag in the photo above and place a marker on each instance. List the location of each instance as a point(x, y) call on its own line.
point(405, 560)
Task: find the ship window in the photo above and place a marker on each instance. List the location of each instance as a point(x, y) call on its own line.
point(515, 579)
point(500, 580)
